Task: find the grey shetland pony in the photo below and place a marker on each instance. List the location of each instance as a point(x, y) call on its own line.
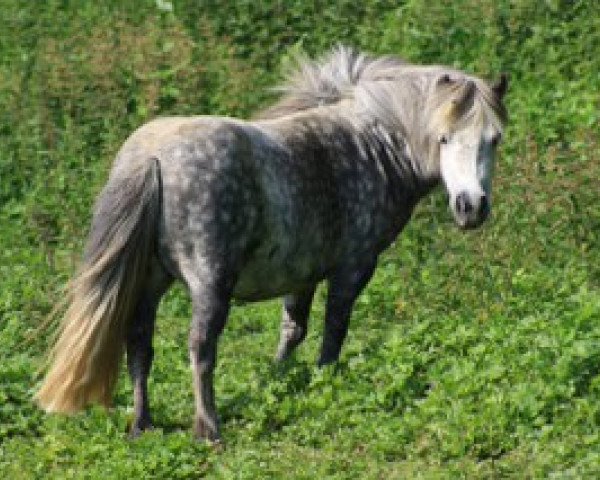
point(313, 189)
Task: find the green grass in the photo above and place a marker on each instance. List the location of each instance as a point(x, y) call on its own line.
point(470, 355)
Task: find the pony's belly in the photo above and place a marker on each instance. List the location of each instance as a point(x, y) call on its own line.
point(261, 280)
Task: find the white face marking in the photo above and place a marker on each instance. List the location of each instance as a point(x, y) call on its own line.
point(466, 166)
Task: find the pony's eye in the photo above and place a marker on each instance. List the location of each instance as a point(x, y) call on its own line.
point(443, 139)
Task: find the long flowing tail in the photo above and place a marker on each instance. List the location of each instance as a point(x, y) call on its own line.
point(84, 362)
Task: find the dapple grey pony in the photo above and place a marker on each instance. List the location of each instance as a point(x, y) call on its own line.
point(314, 189)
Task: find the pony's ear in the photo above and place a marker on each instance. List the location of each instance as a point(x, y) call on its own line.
point(460, 100)
point(465, 95)
point(444, 79)
point(501, 86)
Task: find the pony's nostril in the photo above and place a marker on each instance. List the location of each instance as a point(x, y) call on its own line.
point(463, 204)
point(483, 204)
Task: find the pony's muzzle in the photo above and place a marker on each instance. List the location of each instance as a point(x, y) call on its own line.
point(470, 212)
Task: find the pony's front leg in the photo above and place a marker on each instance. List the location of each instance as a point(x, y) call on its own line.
point(344, 287)
point(296, 308)
point(210, 306)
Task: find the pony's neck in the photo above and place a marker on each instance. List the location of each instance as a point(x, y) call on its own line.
point(342, 128)
point(403, 158)
point(399, 112)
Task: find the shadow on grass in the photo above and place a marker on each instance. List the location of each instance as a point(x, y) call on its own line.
point(278, 381)
point(583, 371)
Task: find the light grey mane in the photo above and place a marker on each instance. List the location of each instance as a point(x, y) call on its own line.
point(315, 83)
point(347, 73)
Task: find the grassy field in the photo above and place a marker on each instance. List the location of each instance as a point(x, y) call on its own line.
point(470, 355)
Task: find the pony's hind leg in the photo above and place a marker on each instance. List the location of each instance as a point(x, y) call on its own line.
point(296, 308)
point(139, 349)
point(344, 286)
point(210, 307)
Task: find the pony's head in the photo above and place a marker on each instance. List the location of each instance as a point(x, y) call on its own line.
point(467, 128)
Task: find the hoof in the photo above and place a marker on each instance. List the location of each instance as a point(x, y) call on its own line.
point(288, 343)
point(138, 427)
point(326, 360)
point(282, 355)
point(206, 432)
